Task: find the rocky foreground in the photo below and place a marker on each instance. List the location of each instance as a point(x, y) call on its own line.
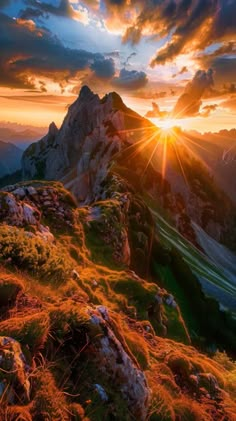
point(86, 330)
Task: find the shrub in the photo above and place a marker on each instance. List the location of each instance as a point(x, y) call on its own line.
point(10, 286)
point(30, 331)
point(33, 254)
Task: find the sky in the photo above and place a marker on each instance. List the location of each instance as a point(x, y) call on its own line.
point(172, 59)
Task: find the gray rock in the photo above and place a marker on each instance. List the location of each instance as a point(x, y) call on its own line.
point(14, 371)
point(20, 192)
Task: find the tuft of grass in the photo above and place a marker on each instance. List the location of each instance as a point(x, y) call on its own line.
point(30, 330)
point(137, 293)
point(188, 410)
point(49, 402)
point(10, 286)
point(33, 254)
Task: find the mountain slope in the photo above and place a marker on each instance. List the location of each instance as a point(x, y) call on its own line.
point(218, 151)
point(10, 158)
point(82, 336)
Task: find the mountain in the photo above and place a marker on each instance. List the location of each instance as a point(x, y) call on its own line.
point(218, 150)
point(92, 132)
point(10, 158)
point(117, 275)
point(101, 137)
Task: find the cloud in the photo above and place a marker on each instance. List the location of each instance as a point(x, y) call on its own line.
point(30, 13)
point(181, 72)
point(126, 62)
point(104, 68)
point(229, 104)
point(183, 25)
point(29, 53)
point(224, 68)
point(130, 79)
point(189, 102)
point(156, 112)
point(113, 54)
point(208, 109)
point(38, 8)
point(41, 99)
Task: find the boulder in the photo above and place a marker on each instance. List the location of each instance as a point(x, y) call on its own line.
point(14, 372)
point(114, 362)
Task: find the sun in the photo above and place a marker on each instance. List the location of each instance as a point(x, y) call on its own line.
point(166, 125)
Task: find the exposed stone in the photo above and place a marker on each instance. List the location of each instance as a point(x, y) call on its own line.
point(130, 381)
point(20, 192)
point(14, 372)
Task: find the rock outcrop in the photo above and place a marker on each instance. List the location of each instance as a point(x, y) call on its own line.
point(14, 373)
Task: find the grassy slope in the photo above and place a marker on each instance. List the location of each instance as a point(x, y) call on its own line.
point(54, 328)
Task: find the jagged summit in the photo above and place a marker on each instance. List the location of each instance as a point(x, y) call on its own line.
point(92, 132)
point(86, 94)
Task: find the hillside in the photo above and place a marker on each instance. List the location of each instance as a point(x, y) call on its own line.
point(86, 332)
point(10, 158)
point(218, 151)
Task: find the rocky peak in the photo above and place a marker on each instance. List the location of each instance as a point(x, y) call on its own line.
point(52, 130)
point(85, 93)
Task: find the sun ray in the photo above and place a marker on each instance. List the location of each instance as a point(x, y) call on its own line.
point(150, 159)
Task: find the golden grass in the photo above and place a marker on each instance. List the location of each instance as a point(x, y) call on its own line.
point(168, 364)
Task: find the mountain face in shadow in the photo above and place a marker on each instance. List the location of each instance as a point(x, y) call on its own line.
point(218, 151)
point(10, 158)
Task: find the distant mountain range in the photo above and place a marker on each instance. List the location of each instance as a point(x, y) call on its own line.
point(21, 135)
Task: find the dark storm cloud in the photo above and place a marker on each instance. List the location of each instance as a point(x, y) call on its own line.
point(222, 60)
point(37, 8)
point(28, 52)
point(130, 79)
point(104, 68)
point(224, 68)
point(189, 102)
